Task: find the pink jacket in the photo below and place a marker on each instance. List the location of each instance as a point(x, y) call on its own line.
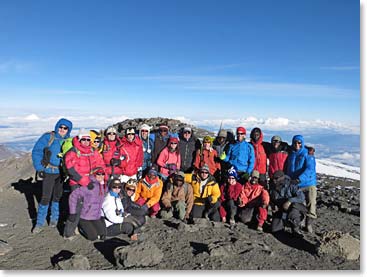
point(167, 157)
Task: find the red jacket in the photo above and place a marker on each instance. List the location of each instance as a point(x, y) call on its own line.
point(260, 155)
point(134, 155)
point(251, 192)
point(204, 156)
point(80, 161)
point(277, 161)
point(111, 149)
point(228, 192)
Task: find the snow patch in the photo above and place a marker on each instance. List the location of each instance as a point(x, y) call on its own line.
point(328, 167)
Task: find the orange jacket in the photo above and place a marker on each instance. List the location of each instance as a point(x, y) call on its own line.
point(251, 192)
point(207, 157)
point(149, 190)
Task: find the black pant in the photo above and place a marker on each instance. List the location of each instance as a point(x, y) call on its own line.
point(120, 228)
point(293, 217)
point(93, 228)
point(212, 210)
point(51, 188)
point(231, 208)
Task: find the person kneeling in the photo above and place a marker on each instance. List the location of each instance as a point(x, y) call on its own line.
point(287, 202)
point(177, 199)
point(254, 196)
point(114, 215)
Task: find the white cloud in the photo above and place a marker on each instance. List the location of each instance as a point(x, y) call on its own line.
point(31, 117)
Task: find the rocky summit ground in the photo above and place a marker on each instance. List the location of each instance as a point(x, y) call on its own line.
point(168, 245)
point(172, 245)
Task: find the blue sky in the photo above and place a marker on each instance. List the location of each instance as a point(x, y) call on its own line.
point(196, 59)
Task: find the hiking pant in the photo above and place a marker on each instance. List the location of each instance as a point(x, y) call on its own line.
point(231, 208)
point(310, 194)
point(153, 210)
point(293, 217)
point(254, 207)
point(178, 209)
point(120, 228)
point(51, 188)
point(198, 211)
point(93, 228)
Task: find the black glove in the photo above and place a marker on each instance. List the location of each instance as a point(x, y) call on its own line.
point(40, 174)
point(139, 174)
point(209, 200)
point(72, 217)
point(90, 186)
point(295, 182)
point(115, 162)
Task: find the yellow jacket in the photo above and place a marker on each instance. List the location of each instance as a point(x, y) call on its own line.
point(151, 191)
point(210, 189)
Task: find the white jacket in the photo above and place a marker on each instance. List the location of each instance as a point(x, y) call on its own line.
point(109, 207)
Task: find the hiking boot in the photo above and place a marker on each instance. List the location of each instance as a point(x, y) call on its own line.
point(206, 215)
point(260, 229)
point(37, 229)
point(297, 233)
point(309, 228)
point(232, 222)
point(71, 238)
point(53, 224)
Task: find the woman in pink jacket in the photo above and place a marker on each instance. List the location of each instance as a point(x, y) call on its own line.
point(169, 158)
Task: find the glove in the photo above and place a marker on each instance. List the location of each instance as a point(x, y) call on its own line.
point(40, 174)
point(90, 186)
point(295, 182)
point(223, 156)
point(209, 199)
point(72, 217)
point(145, 208)
point(122, 157)
point(139, 174)
point(168, 206)
point(115, 162)
point(286, 205)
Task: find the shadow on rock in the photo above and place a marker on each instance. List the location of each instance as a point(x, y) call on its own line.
point(31, 190)
point(107, 248)
point(61, 256)
point(295, 242)
point(199, 247)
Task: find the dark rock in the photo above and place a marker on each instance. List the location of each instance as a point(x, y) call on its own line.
point(76, 262)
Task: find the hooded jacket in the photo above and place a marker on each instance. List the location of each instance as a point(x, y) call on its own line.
point(150, 190)
point(134, 156)
point(301, 165)
point(92, 200)
point(241, 155)
point(209, 157)
point(111, 149)
point(160, 142)
point(168, 157)
point(277, 157)
point(187, 151)
point(80, 161)
point(111, 204)
point(55, 148)
point(286, 192)
point(177, 193)
point(210, 189)
point(260, 155)
point(251, 192)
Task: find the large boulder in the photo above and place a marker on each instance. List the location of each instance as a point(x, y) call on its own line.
point(144, 254)
point(4, 248)
point(76, 262)
point(335, 243)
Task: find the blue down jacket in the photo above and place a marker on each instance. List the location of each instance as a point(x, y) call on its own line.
point(301, 165)
point(55, 148)
point(242, 156)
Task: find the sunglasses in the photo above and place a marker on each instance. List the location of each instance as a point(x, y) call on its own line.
point(164, 131)
point(116, 187)
point(297, 142)
point(187, 132)
point(97, 141)
point(84, 139)
point(130, 189)
point(144, 131)
point(64, 128)
point(240, 134)
point(111, 134)
point(173, 143)
point(254, 178)
point(100, 174)
point(276, 141)
point(231, 178)
point(204, 172)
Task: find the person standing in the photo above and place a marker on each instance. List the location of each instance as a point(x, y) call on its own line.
point(301, 168)
point(188, 145)
point(160, 141)
point(47, 162)
point(169, 158)
point(148, 147)
point(241, 156)
point(260, 155)
point(209, 156)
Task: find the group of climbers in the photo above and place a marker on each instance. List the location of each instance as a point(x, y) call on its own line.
point(117, 181)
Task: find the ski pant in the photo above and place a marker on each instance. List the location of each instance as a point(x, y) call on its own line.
point(293, 217)
point(92, 229)
point(120, 228)
point(254, 207)
point(198, 211)
point(153, 210)
point(230, 208)
point(310, 194)
point(51, 188)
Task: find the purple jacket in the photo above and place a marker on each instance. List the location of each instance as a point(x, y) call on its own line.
point(92, 200)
